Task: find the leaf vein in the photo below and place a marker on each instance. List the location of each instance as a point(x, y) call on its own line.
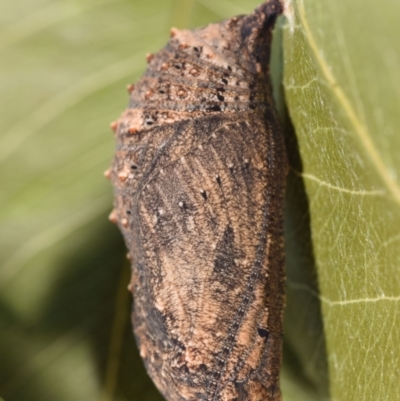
point(361, 131)
point(360, 192)
point(314, 293)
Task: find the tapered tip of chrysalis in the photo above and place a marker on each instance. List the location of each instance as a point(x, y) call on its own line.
point(263, 17)
point(271, 8)
point(256, 33)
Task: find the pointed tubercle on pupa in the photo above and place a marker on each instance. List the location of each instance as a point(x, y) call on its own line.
point(130, 88)
point(113, 217)
point(107, 173)
point(114, 126)
point(149, 57)
point(123, 175)
point(173, 32)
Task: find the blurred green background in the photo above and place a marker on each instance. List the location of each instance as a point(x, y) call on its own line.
point(64, 308)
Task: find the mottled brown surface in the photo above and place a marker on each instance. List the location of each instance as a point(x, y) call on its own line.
point(199, 178)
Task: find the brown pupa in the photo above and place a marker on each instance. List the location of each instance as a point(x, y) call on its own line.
point(199, 175)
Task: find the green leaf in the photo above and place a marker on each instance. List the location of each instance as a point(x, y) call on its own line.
point(65, 313)
point(342, 89)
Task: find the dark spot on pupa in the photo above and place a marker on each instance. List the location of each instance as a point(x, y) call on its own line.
point(220, 98)
point(262, 332)
point(203, 194)
point(203, 368)
point(215, 108)
point(149, 121)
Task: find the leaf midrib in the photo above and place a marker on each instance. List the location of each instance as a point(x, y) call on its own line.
point(360, 129)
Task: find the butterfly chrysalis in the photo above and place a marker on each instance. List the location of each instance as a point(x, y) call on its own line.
point(198, 175)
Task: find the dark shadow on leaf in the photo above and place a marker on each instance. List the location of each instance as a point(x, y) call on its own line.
point(303, 324)
point(304, 340)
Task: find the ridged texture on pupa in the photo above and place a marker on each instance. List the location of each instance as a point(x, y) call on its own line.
point(199, 177)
